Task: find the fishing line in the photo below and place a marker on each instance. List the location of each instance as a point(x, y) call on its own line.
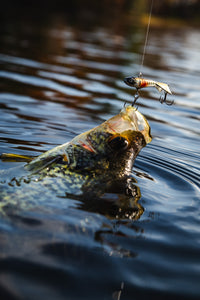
point(140, 82)
point(146, 38)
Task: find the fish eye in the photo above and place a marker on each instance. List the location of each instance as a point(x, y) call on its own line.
point(118, 143)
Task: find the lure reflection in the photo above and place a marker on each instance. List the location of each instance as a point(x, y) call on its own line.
point(139, 83)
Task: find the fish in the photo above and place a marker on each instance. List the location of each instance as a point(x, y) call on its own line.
point(92, 164)
point(139, 83)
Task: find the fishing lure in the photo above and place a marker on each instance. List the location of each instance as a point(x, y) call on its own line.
point(140, 83)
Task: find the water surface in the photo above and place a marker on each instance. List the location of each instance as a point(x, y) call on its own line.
point(60, 78)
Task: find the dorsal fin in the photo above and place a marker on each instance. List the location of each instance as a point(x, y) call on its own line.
point(47, 158)
point(11, 157)
point(40, 163)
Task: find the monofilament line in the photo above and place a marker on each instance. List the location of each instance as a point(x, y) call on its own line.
point(146, 38)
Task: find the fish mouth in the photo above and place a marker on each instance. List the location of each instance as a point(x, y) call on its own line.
point(130, 81)
point(134, 120)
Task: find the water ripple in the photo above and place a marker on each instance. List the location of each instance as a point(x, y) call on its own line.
point(40, 82)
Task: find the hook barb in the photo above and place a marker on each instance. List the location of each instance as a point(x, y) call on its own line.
point(164, 100)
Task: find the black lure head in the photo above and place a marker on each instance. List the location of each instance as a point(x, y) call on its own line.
point(131, 81)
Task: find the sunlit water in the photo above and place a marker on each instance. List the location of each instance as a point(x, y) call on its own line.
point(58, 80)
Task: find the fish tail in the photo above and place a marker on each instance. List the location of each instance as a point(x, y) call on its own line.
point(15, 157)
point(163, 86)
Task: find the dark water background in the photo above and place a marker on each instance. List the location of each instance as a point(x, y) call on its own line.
point(62, 73)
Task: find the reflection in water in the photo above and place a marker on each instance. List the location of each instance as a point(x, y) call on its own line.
point(117, 206)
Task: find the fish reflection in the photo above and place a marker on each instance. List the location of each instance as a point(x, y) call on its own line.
point(117, 200)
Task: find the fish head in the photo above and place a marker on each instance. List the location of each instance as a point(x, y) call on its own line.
point(113, 145)
point(131, 81)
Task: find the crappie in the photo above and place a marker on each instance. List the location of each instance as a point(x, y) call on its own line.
point(92, 164)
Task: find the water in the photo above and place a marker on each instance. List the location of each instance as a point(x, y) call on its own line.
point(61, 76)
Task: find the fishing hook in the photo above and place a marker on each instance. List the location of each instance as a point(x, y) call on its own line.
point(125, 104)
point(164, 100)
point(136, 96)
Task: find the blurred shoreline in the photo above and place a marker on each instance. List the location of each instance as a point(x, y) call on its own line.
point(165, 13)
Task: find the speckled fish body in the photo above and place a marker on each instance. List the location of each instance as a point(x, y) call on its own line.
point(88, 164)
